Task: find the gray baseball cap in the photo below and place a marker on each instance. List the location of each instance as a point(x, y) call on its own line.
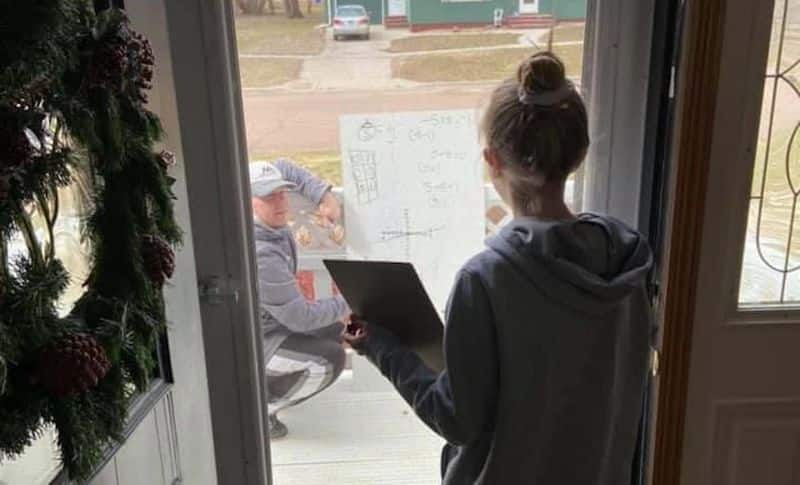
point(266, 179)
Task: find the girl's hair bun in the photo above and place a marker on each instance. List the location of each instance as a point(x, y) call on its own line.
point(541, 72)
point(537, 124)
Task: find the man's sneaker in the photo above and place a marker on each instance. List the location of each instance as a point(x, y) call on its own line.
point(277, 429)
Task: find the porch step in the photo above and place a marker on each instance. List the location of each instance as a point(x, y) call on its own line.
point(396, 22)
point(530, 21)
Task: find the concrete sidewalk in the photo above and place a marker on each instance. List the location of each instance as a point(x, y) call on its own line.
point(349, 437)
point(350, 64)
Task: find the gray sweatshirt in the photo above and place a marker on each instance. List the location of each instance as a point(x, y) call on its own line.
point(546, 350)
point(283, 309)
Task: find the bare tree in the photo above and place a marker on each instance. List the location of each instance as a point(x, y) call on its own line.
point(293, 9)
point(253, 7)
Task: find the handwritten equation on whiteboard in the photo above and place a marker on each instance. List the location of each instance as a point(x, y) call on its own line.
point(413, 191)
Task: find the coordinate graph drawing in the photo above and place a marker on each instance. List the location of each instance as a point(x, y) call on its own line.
point(413, 191)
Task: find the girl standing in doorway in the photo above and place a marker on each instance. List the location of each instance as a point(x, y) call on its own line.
point(547, 330)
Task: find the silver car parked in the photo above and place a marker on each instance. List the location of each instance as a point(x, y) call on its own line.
point(351, 20)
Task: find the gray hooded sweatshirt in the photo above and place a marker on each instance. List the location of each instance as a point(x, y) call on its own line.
point(283, 308)
point(546, 349)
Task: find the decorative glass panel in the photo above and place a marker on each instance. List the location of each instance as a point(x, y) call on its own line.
point(771, 265)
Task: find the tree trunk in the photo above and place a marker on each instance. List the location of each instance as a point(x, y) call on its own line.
point(293, 9)
point(271, 4)
point(252, 7)
point(308, 10)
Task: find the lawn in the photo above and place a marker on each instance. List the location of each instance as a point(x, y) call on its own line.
point(419, 43)
point(324, 164)
point(477, 66)
point(573, 32)
point(276, 34)
point(262, 73)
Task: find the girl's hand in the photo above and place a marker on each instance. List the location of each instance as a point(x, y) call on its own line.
point(356, 335)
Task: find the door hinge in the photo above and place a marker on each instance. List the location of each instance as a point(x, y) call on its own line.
point(215, 289)
point(672, 85)
point(655, 362)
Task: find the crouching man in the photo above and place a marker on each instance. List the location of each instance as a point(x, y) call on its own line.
point(302, 339)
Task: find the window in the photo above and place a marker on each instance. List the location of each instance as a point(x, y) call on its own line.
point(771, 262)
point(40, 464)
point(53, 224)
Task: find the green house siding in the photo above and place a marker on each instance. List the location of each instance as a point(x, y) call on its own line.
point(564, 9)
point(438, 12)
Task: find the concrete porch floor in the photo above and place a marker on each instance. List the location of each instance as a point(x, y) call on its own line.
point(348, 436)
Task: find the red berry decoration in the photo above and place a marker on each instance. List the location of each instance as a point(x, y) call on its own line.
point(158, 258)
point(5, 188)
point(72, 366)
point(108, 65)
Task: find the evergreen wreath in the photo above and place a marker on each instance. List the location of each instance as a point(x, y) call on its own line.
point(73, 88)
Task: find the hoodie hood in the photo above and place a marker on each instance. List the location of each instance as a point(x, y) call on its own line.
point(265, 233)
point(590, 262)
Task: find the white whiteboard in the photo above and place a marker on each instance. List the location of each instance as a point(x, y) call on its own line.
point(413, 191)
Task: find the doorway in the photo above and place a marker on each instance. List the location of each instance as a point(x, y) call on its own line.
point(304, 110)
point(397, 8)
point(528, 6)
point(289, 89)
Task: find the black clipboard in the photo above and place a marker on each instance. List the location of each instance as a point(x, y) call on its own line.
point(391, 295)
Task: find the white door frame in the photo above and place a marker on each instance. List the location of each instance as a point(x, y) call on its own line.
point(615, 84)
point(525, 7)
point(212, 128)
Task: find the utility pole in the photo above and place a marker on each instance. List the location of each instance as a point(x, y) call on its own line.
point(551, 34)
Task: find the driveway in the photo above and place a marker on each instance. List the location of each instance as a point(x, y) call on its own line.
point(351, 64)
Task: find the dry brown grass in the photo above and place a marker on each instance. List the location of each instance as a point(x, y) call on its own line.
point(572, 32)
point(419, 43)
point(276, 34)
point(324, 164)
point(262, 73)
point(477, 66)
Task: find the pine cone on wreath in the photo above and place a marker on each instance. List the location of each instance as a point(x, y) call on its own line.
point(166, 159)
point(158, 258)
point(72, 366)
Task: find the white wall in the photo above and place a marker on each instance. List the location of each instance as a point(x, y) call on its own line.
point(151, 454)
